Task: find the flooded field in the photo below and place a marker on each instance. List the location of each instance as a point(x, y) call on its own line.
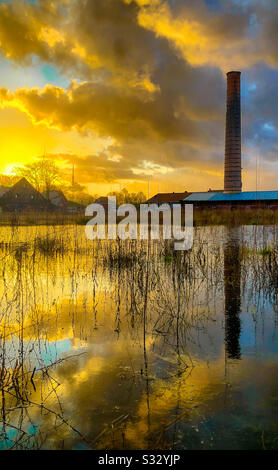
point(131, 345)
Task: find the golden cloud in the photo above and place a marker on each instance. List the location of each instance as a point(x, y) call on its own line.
point(147, 75)
point(122, 35)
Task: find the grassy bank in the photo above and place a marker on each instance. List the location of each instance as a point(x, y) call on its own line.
point(235, 217)
point(201, 218)
point(44, 218)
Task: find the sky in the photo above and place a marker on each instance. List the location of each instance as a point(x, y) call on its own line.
point(133, 91)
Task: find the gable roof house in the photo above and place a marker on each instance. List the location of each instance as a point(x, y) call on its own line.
point(168, 198)
point(57, 198)
point(103, 201)
point(23, 197)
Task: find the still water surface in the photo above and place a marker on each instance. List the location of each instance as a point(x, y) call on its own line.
point(130, 345)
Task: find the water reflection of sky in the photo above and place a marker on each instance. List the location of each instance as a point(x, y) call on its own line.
point(211, 386)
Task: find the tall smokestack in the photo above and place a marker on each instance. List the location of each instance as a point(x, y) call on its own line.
point(232, 180)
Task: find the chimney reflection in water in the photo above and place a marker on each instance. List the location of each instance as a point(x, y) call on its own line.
point(232, 289)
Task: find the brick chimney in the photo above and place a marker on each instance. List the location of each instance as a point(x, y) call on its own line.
point(232, 179)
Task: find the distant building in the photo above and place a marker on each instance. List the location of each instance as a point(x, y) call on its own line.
point(23, 197)
point(57, 198)
point(168, 198)
point(232, 196)
point(243, 200)
point(103, 201)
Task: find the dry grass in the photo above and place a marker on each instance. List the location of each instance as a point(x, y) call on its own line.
point(235, 217)
point(202, 217)
point(38, 218)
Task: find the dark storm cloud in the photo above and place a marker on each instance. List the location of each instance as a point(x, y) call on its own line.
point(149, 74)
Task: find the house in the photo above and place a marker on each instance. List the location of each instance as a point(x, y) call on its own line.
point(103, 201)
point(23, 197)
point(168, 198)
point(240, 200)
point(57, 198)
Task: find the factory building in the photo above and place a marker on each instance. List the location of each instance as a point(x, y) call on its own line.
point(232, 196)
point(242, 200)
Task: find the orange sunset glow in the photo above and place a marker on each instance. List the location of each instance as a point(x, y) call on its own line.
point(133, 91)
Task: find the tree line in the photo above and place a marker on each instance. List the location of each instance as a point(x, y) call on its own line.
point(45, 176)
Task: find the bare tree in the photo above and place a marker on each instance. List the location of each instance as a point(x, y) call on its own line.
point(42, 174)
point(124, 197)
